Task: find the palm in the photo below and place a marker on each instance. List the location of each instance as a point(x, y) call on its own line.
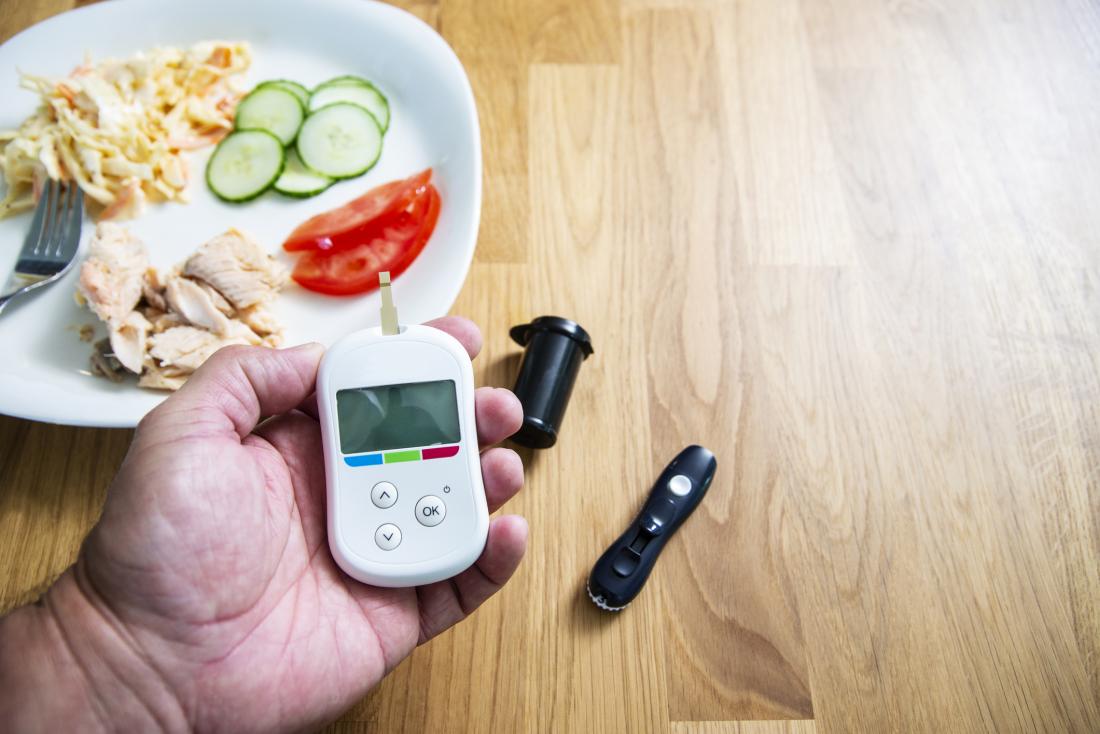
point(213, 549)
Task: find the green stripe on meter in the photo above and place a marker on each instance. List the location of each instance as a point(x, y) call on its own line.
point(394, 457)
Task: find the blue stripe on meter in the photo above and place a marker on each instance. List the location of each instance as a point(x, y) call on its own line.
point(363, 460)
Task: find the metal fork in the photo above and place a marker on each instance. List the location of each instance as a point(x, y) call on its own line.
point(51, 245)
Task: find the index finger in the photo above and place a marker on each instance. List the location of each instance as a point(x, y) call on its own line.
point(466, 331)
point(236, 388)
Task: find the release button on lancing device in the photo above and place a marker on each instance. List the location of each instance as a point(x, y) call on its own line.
point(679, 485)
point(430, 511)
point(387, 536)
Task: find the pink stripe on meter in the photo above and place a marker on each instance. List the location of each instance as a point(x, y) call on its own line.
point(439, 452)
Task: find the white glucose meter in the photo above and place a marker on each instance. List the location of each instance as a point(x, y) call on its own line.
point(406, 504)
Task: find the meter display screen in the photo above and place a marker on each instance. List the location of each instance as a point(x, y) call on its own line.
point(397, 416)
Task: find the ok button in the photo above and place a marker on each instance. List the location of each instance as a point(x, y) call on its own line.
point(430, 511)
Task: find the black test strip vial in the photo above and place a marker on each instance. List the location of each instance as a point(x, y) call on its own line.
point(554, 350)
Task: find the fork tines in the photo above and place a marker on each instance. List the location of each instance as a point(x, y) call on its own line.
point(55, 230)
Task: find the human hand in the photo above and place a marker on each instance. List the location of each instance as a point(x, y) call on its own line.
point(206, 597)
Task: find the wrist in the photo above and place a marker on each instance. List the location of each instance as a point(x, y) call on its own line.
point(67, 664)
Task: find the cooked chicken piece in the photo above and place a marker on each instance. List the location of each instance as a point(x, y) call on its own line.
point(261, 320)
point(238, 268)
point(185, 347)
point(111, 277)
point(128, 341)
point(152, 290)
point(164, 328)
point(192, 302)
point(169, 370)
point(155, 378)
point(165, 321)
point(218, 299)
point(104, 364)
point(238, 330)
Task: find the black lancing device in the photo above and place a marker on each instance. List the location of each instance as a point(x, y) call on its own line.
point(622, 570)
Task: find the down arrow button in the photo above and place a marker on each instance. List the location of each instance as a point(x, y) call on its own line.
point(387, 536)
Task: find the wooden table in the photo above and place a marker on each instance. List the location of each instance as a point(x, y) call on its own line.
point(852, 247)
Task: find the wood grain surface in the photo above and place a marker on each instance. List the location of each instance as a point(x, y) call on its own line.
point(851, 246)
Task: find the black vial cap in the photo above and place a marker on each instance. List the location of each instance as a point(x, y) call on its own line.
point(554, 350)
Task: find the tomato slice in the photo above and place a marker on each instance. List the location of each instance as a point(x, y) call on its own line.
point(337, 228)
point(396, 215)
point(393, 246)
point(427, 220)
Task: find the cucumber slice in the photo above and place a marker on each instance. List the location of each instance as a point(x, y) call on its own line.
point(341, 140)
point(355, 90)
point(245, 164)
point(298, 181)
point(294, 88)
point(347, 79)
point(273, 109)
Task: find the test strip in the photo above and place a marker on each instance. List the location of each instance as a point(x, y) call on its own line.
point(389, 312)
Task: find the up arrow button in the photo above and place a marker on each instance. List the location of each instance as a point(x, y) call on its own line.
point(384, 495)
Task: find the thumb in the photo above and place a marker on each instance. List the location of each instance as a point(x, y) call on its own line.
point(237, 387)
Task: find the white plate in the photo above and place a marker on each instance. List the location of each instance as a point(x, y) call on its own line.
point(44, 371)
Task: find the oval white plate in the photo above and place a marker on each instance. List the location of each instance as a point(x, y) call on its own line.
point(44, 373)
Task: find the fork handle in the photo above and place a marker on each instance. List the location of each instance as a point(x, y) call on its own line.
point(17, 285)
point(14, 287)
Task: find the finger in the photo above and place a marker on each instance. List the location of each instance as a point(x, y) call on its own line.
point(446, 603)
point(309, 406)
point(466, 331)
point(238, 386)
point(502, 471)
point(498, 414)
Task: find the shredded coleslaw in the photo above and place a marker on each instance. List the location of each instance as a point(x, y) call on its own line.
point(119, 127)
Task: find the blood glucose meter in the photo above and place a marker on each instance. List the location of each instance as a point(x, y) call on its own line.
point(406, 504)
